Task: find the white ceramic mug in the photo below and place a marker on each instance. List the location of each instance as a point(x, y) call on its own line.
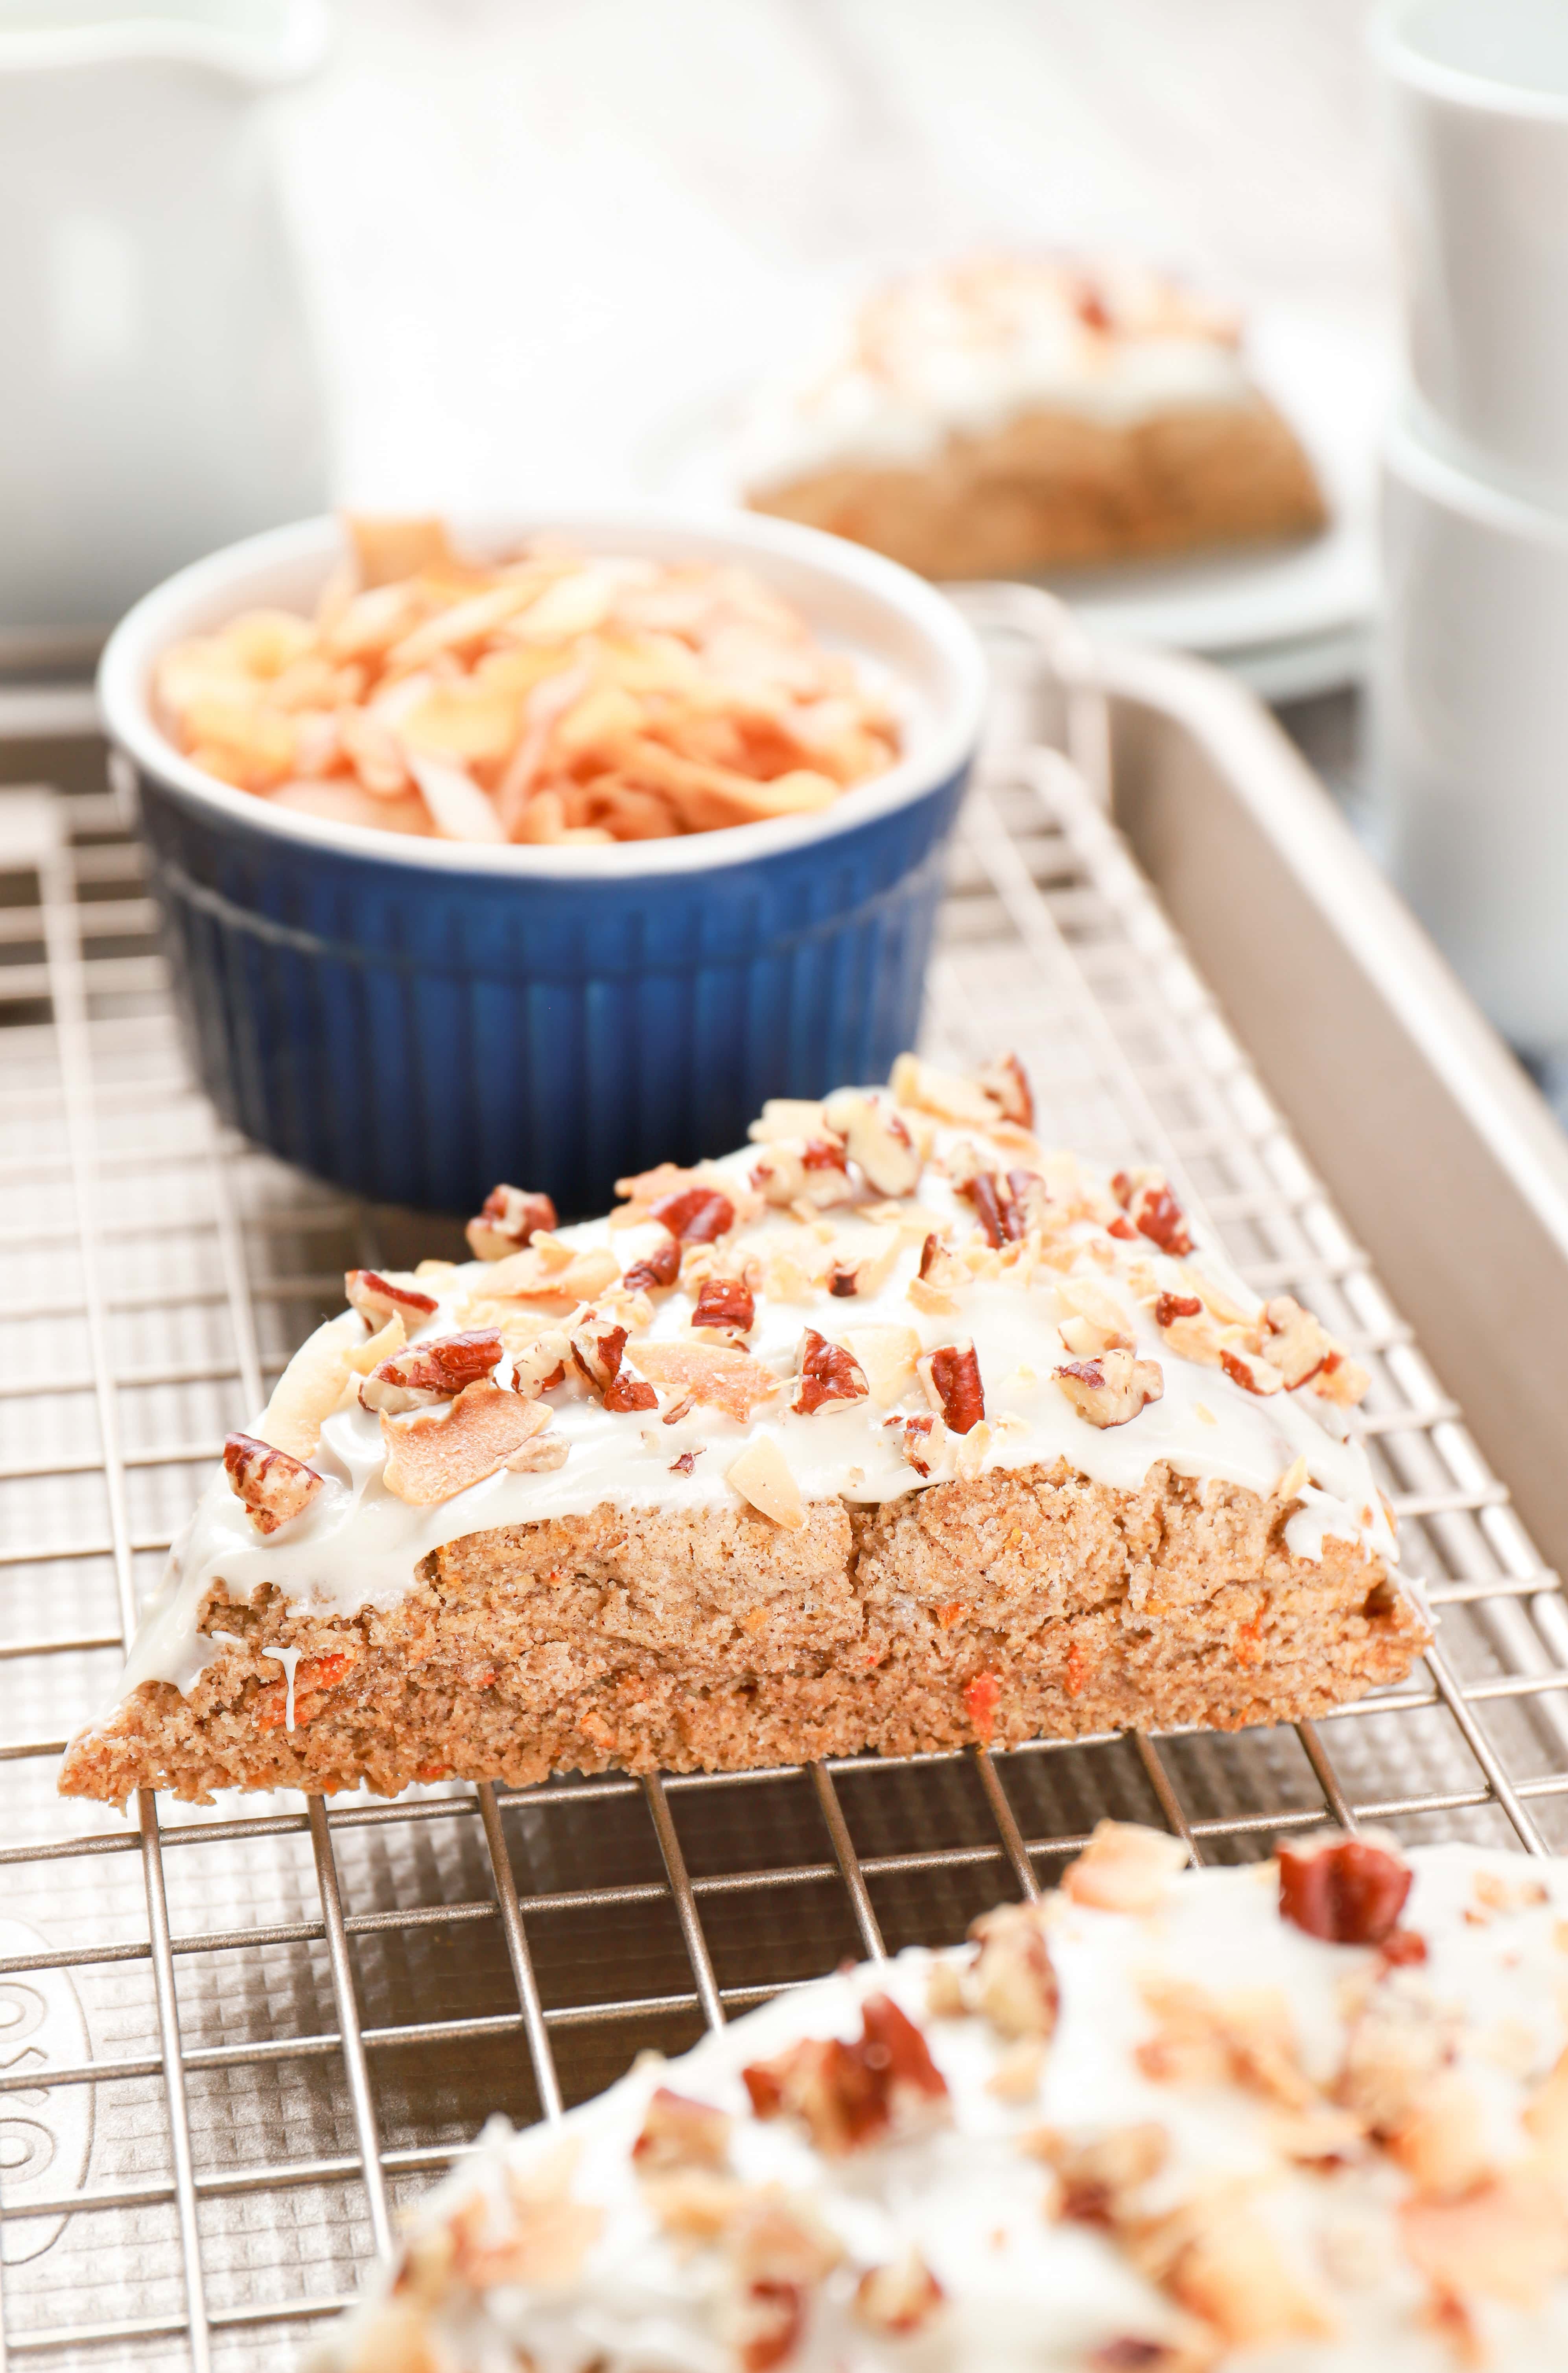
point(1476, 112)
point(1471, 732)
point(158, 379)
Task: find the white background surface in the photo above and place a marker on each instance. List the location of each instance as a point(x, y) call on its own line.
point(535, 230)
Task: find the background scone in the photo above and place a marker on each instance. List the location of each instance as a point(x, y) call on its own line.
point(1010, 413)
point(894, 1431)
point(1311, 2115)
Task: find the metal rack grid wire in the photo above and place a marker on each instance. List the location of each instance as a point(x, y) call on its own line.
point(233, 2039)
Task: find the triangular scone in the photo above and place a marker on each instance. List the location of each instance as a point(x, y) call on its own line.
point(1014, 412)
point(1312, 2116)
point(895, 1430)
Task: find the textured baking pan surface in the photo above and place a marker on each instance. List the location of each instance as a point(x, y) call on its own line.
point(233, 2041)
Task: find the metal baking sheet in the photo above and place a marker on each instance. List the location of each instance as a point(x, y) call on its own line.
point(233, 2041)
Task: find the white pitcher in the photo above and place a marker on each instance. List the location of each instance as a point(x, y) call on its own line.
point(158, 392)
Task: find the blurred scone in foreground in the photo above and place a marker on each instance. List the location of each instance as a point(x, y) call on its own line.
point(1008, 413)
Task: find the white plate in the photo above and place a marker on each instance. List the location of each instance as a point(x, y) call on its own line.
point(1295, 616)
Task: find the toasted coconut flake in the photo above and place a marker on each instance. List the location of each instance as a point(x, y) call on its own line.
point(761, 1475)
point(311, 1387)
point(274, 1487)
point(379, 1347)
point(941, 1093)
point(1506, 2240)
point(887, 1357)
point(539, 1274)
point(724, 1380)
point(435, 1453)
point(1124, 1867)
point(877, 1137)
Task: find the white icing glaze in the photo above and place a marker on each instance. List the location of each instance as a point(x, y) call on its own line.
point(1025, 2293)
point(964, 349)
point(357, 1544)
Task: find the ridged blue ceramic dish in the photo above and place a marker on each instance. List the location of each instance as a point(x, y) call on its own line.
point(418, 1018)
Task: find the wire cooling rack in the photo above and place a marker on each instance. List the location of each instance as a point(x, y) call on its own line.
point(233, 2041)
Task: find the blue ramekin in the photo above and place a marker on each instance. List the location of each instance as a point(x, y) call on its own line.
point(419, 1019)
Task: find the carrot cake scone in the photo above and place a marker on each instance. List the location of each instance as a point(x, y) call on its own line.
point(895, 1430)
point(1302, 2117)
point(1016, 411)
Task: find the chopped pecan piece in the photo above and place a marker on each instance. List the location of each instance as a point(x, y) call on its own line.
point(1012, 1983)
point(1250, 1371)
point(376, 1297)
point(540, 1365)
point(951, 1378)
point(923, 1440)
point(1129, 2351)
point(877, 1140)
point(827, 1373)
point(697, 1215)
point(1341, 1380)
point(848, 2095)
point(1153, 1211)
point(998, 1217)
point(1113, 1389)
point(940, 1267)
point(725, 1306)
point(509, 1219)
point(680, 2133)
point(1171, 1306)
point(898, 2298)
point(274, 1487)
point(657, 1270)
point(431, 1372)
point(1098, 2178)
point(597, 1352)
point(1006, 1082)
point(434, 1452)
point(1346, 1890)
point(1124, 1867)
point(814, 1171)
point(763, 2322)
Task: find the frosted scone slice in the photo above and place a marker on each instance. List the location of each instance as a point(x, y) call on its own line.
point(897, 1428)
point(1310, 2115)
point(1013, 412)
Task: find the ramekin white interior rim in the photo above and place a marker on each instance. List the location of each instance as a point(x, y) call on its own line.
point(201, 597)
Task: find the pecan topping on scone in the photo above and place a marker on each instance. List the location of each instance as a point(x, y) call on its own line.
point(1349, 1890)
point(952, 1378)
point(827, 1374)
point(431, 1372)
point(1112, 1390)
point(275, 1487)
point(376, 1297)
point(509, 1219)
point(725, 1308)
point(848, 2095)
point(1146, 1197)
point(877, 1140)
